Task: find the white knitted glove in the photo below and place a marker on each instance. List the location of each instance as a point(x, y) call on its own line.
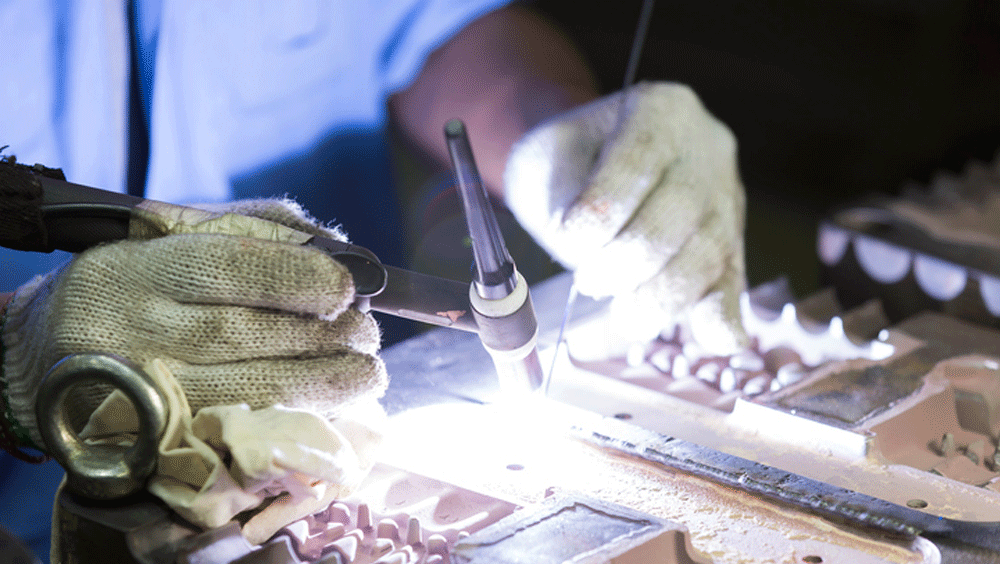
point(639, 193)
point(237, 319)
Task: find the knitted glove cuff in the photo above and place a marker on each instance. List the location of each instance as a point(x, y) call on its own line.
point(13, 436)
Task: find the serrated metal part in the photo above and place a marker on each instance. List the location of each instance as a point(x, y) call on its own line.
point(816, 343)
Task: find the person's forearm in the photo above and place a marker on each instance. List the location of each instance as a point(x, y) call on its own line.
point(502, 75)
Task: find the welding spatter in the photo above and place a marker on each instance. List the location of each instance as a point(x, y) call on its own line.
point(501, 302)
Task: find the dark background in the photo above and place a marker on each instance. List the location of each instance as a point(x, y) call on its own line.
point(829, 100)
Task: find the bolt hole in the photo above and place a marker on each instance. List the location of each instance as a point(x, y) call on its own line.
point(813, 559)
point(916, 503)
point(623, 416)
point(515, 467)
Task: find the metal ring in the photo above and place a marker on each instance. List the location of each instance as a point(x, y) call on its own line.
point(101, 471)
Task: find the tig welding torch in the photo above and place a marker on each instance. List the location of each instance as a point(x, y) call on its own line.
point(501, 301)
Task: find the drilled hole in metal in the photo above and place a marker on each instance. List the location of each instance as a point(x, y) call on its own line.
point(813, 559)
point(916, 503)
point(623, 416)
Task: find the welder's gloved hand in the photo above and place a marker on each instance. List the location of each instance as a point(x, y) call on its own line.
point(236, 318)
point(640, 195)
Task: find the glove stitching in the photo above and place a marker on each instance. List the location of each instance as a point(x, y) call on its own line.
point(13, 435)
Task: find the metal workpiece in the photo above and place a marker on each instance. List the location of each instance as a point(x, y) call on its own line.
point(101, 471)
point(577, 529)
point(647, 487)
point(495, 275)
point(961, 541)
